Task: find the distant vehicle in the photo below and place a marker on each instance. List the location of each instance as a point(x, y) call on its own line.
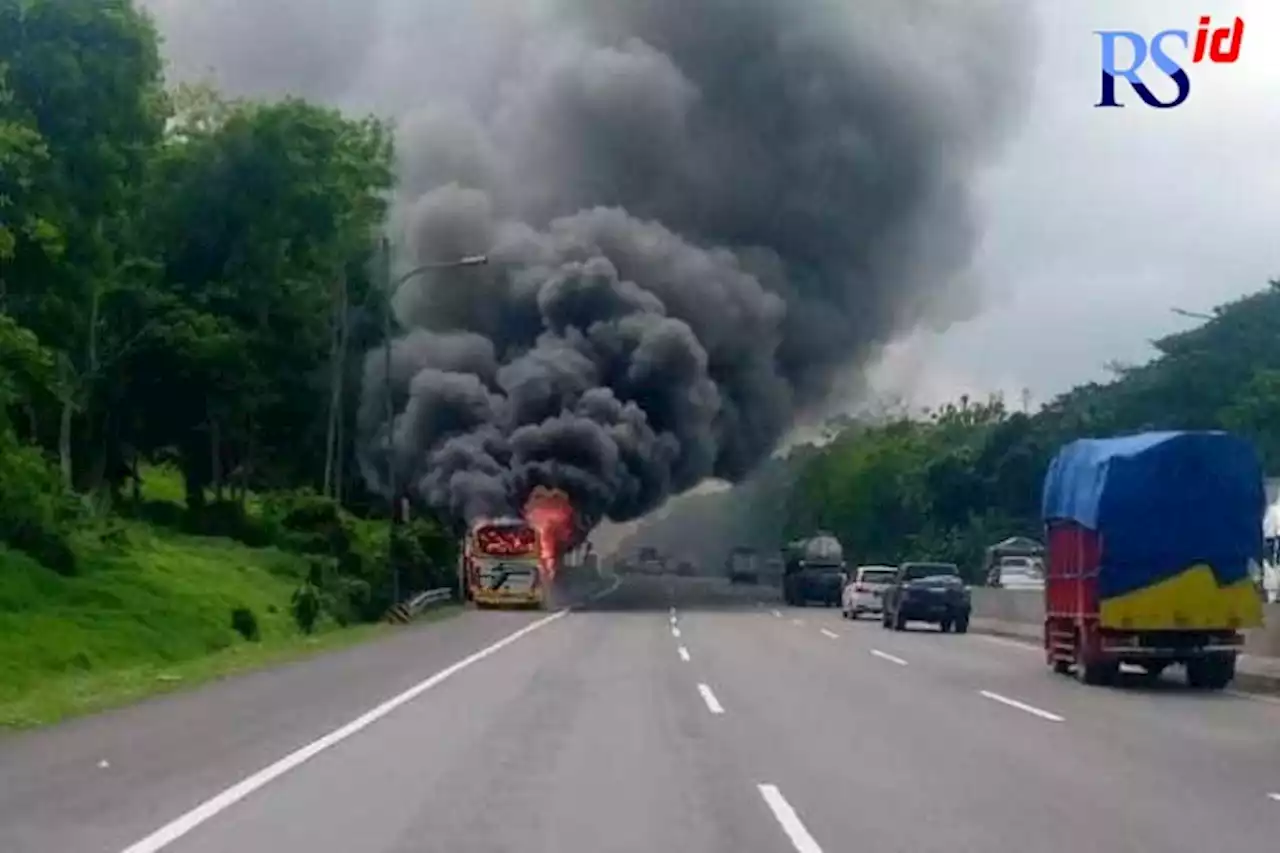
point(1014, 551)
point(500, 564)
point(927, 592)
point(814, 570)
point(744, 565)
point(1020, 573)
point(1150, 538)
point(686, 569)
point(865, 590)
point(650, 562)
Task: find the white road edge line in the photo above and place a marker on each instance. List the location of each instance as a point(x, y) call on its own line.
point(1025, 645)
point(675, 632)
point(1021, 706)
point(175, 829)
point(1256, 697)
point(617, 582)
point(713, 704)
point(890, 658)
point(832, 634)
point(778, 613)
point(684, 653)
point(790, 821)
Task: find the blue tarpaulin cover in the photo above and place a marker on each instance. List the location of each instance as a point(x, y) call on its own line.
point(1161, 501)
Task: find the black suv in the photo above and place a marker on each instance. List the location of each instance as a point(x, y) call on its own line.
point(927, 592)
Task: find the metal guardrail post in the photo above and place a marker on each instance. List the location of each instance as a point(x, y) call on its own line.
point(406, 611)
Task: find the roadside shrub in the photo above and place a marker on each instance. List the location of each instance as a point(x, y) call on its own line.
point(306, 607)
point(160, 513)
point(245, 624)
point(229, 519)
point(37, 512)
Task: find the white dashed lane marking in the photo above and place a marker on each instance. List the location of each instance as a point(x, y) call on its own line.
point(713, 704)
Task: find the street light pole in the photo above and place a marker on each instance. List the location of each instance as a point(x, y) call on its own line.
point(392, 287)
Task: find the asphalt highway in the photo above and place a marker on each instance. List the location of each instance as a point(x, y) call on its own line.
point(670, 714)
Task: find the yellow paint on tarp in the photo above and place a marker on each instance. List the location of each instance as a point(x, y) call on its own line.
point(1189, 601)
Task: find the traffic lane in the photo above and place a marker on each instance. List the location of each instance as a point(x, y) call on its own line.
point(588, 735)
point(897, 758)
point(166, 754)
point(1232, 734)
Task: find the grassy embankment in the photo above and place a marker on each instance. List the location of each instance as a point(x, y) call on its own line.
point(147, 613)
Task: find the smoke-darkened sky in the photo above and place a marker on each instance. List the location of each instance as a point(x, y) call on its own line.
point(701, 216)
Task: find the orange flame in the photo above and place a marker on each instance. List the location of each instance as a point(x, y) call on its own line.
point(550, 513)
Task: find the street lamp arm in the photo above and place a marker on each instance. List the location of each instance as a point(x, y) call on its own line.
point(392, 492)
point(467, 261)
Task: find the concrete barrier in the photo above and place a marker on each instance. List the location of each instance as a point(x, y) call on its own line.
point(1026, 607)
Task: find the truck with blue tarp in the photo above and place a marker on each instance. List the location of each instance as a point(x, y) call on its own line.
point(1150, 542)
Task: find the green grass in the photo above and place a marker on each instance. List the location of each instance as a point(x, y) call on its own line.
point(164, 483)
point(149, 611)
point(144, 616)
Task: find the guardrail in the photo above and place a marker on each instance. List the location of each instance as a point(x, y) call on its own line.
point(408, 610)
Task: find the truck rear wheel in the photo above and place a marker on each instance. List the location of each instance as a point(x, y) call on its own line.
point(1097, 672)
point(1211, 673)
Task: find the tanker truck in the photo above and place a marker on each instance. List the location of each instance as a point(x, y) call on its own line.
point(501, 564)
point(814, 570)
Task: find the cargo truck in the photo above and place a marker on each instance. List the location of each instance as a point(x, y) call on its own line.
point(500, 564)
point(814, 570)
point(1150, 538)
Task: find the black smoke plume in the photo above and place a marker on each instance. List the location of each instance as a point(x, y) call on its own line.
point(698, 214)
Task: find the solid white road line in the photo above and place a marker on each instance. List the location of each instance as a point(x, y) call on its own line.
point(1025, 645)
point(1275, 797)
point(890, 658)
point(1256, 697)
point(790, 821)
point(832, 634)
point(172, 831)
point(675, 632)
point(713, 704)
point(1022, 706)
point(617, 582)
point(684, 653)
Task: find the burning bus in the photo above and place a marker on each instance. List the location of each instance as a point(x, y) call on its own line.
point(501, 564)
point(513, 560)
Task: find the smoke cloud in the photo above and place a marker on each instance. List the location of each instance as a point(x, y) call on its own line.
point(699, 217)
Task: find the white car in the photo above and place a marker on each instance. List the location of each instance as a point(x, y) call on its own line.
point(863, 593)
point(1021, 573)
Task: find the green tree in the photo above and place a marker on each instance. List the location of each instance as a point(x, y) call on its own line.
point(261, 208)
point(85, 75)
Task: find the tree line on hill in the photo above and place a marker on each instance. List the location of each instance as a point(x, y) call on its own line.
point(948, 483)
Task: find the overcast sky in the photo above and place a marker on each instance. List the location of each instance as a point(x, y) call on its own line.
point(1099, 221)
